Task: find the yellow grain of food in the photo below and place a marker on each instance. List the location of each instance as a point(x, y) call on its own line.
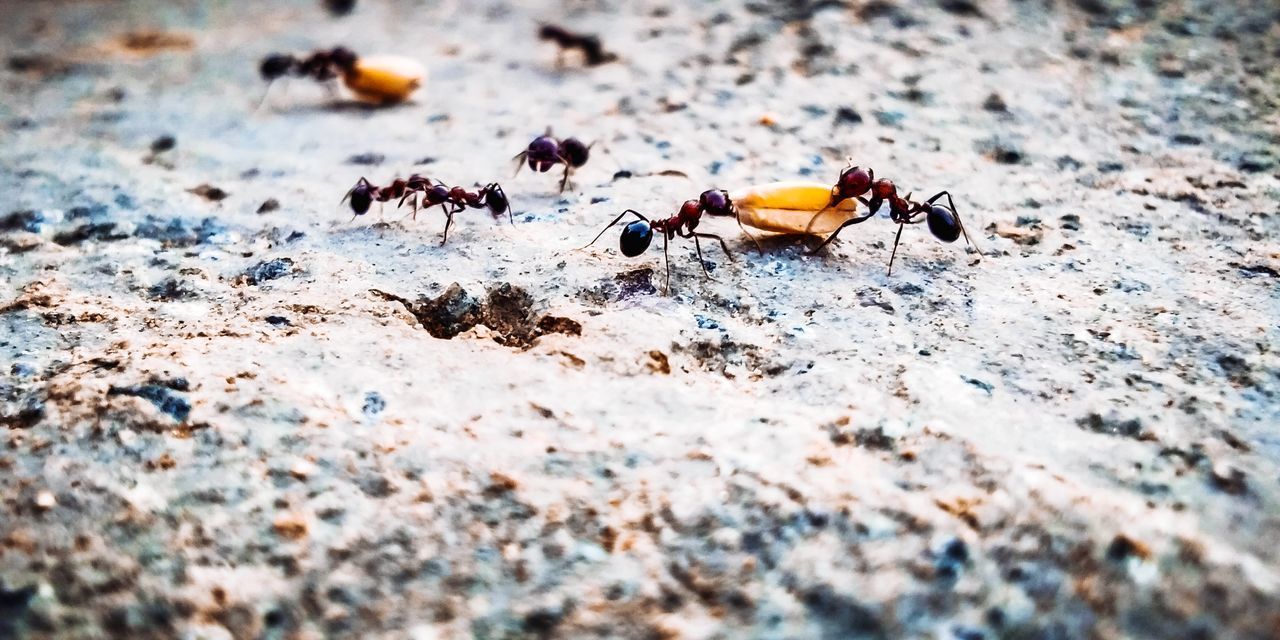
point(791, 208)
point(385, 79)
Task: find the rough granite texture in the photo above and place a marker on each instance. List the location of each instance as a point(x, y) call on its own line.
point(231, 411)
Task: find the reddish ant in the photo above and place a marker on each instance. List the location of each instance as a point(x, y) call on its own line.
point(856, 182)
point(451, 200)
point(546, 151)
point(637, 235)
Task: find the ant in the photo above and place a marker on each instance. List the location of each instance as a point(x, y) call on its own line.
point(546, 151)
point(322, 65)
point(450, 200)
point(637, 235)
point(378, 79)
point(593, 52)
point(856, 182)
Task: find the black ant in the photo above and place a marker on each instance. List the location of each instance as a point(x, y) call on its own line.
point(593, 52)
point(546, 151)
point(450, 200)
point(856, 182)
point(323, 66)
point(637, 236)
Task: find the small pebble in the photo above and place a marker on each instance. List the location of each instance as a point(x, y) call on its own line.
point(45, 500)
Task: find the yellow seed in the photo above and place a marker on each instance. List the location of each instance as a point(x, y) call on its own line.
point(791, 207)
point(385, 79)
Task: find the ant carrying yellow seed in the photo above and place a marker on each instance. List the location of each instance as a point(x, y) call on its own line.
point(374, 79)
point(855, 183)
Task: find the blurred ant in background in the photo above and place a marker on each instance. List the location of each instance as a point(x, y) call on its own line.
point(593, 53)
point(856, 182)
point(546, 151)
point(322, 65)
point(450, 200)
point(637, 236)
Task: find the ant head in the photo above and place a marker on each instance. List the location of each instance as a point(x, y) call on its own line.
point(275, 66)
point(944, 223)
point(361, 198)
point(343, 58)
point(635, 238)
point(690, 213)
point(854, 182)
point(574, 151)
point(542, 153)
point(496, 199)
point(715, 202)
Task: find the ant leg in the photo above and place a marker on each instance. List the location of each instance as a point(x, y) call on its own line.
point(958, 221)
point(520, 159)
point(851, 221)
point(615, 221)
point(448, 220)
point(896, 240)
point(266, 93)
point(743, 228)
point(723, 247)
point(564, 182)
point(666, 258)
point(701, 261)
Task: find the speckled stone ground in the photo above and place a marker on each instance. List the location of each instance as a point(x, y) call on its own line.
point(227, 419)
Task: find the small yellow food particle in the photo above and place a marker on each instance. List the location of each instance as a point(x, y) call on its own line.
point(385, 79)
point(791, 208)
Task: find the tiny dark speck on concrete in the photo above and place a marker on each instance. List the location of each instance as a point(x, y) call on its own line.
point(271, 204)
point(163, 143)
point(985, 386)
point(373, 404)
point(366, 159)
point(278, 321)
point(209, 192)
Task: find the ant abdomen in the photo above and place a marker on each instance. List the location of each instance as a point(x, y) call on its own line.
point(943, 223)
point(542, 154)
point(635, 238)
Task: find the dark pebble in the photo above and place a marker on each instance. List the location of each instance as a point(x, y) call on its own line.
point(366, 159)
point(373, 404)
point(161, 396)
point(103, 231)
point(846, 115)
point(271, 204)
point(269, 270)
point(26, 220)
point(163, 143)
point(1111, 425)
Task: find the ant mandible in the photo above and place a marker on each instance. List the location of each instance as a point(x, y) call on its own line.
point(637, 236)
point(450, 200)
point(855, 182)
point(545, 151)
